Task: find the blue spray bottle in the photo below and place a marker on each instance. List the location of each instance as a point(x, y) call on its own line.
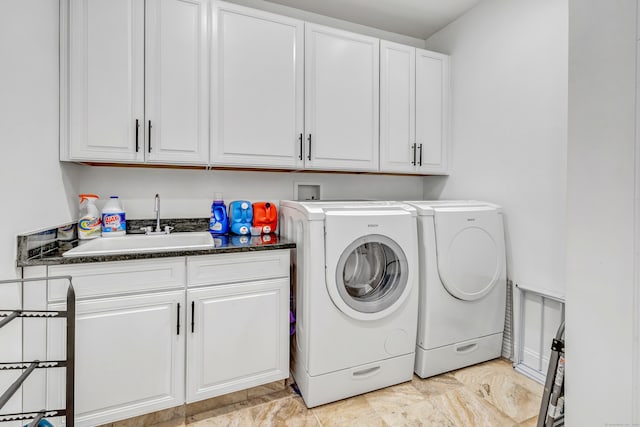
point(219, 222)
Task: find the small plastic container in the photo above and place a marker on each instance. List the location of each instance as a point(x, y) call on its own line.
point(256, 231)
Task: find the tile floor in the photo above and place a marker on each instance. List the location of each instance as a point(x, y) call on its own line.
point(489, 394)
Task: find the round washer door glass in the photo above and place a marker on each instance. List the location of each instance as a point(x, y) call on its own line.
point(371, 274)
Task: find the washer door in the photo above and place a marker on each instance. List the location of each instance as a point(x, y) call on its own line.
point(368, 275)
point(371, 274)
point(470, 249)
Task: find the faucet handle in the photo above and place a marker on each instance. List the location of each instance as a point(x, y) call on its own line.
point(168, 229)
point(148, 229)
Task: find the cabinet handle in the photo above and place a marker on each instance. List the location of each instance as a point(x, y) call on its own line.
point(300, 138)
point(193, 314)
point(420, 155)
point(149, 135)
point(178, 321)
point(309, 155)
point(137, 128)
point(413, 147)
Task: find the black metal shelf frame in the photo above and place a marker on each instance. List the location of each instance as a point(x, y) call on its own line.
point(8, 315)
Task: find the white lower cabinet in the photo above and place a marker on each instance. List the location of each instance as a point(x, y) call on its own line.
point(129, 356)
point(154, 334)
point(238, 337)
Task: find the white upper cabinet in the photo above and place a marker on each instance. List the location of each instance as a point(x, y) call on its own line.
point(206, 82)
point(397, 108)
point(341, 99)
point(135, 96)
point(257, 83)
point(432, 111)
point(177, 75)
point(413, 110)
point(105, 81)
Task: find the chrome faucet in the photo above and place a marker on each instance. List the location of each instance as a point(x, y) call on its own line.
point(157, 211)
point(148, 230)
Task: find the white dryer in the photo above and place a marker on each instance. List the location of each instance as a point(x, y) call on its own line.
point(462, 284)
point(355, 290)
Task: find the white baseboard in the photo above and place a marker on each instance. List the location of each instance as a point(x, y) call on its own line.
point(531, 373)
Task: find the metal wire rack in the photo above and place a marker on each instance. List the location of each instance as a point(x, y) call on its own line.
point(8, 315)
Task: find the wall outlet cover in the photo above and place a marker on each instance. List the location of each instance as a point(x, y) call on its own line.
point(307, 191)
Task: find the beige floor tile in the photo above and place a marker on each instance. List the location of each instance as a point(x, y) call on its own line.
point(510, 392)
point(355, 411)
point(266, 389)
point(241, 418)
point(460, 407)
point(531, 422)
point(437, 385)
point(394, 397)
point(172, 423)
point(455, 408)
point(216, 402)
point(284, 412)
point(246, 404)
point(171, 417)
point(417, 414)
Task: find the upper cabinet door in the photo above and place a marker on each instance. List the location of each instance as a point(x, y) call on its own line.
point(432, 111)
point(257, 89)
point(105, 81)
point(341, 100)
point(177, 95)
point(397, 108)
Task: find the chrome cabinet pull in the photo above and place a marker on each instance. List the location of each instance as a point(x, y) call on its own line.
point(413, 147)
point(309, 155)
point(420, 155)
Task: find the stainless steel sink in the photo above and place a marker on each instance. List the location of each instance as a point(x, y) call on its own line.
point(142, 244)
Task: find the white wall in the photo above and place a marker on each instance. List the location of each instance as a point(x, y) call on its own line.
point(601, 185)
point(33, 185)
point(509, 124)
point(189, 193)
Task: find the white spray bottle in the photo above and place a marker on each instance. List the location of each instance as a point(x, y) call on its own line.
point(89, 224)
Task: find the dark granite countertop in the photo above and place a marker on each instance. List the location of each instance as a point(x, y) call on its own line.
point(46, 247)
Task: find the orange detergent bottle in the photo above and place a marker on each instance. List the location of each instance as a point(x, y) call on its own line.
point(265, 215)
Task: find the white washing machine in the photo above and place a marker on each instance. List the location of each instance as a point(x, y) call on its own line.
point(356, 296)
point(462, 284)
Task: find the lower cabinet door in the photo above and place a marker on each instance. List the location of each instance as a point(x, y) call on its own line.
point(129, 356)
point(238, 337)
